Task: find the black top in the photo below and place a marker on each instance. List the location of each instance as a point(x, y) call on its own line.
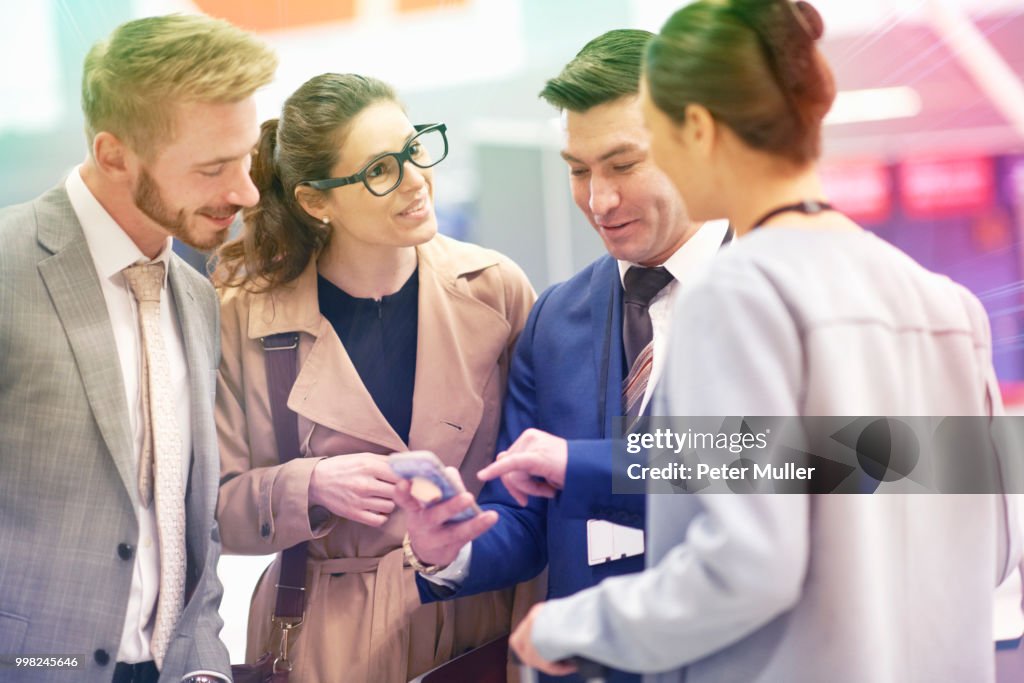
point(380, 337)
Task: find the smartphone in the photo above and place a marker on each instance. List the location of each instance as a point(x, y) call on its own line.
point(430, 483)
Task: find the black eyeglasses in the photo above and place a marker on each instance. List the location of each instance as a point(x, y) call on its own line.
point(384, 173)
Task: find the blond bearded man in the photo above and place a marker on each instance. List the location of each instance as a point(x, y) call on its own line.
point(108, 453)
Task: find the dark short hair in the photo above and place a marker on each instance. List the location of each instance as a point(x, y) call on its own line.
point(753, 64)
point(607, 68)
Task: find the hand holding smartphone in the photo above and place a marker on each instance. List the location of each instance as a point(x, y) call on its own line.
point(431, 483)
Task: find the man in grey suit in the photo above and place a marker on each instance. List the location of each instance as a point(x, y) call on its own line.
point(108, 452)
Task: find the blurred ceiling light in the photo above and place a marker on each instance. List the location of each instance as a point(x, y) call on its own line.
point(995, 77)
point(874, 104)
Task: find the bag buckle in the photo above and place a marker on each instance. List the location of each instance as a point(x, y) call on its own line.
point(282, 664)
point(280, 342)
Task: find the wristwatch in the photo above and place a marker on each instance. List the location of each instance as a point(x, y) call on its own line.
point(202, 678)
point(414, 562)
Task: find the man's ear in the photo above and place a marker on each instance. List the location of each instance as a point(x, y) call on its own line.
point(113, 157)
point(312, 201)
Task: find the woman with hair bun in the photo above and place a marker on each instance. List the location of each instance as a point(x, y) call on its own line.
point(403, 342)
point(806, 314)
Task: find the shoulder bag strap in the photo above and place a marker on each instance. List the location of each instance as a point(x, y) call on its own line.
point(280, 353)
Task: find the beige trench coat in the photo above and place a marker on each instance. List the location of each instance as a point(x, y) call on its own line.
point(364, 621)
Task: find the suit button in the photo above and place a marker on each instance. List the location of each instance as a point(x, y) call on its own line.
point(125, 551)
point(101, 657)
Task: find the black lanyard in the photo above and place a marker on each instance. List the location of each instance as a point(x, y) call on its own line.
point(807, 206)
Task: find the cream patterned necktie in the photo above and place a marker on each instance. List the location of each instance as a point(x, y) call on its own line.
point(160, 468)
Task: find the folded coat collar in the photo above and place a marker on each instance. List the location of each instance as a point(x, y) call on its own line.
point(294, 307)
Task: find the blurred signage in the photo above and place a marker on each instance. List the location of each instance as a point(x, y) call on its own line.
point(416, 5)
point(1015, 180)
point(860, 189)
point(271, 15)
point(939, 188)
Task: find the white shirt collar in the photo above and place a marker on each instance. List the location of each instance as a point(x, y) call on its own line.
point(694, 253)
point(111, 248)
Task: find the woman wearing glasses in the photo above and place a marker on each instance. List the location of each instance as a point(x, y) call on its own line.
point(404, 338)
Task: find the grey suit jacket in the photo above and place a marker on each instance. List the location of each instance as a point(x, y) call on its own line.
point(67, 472)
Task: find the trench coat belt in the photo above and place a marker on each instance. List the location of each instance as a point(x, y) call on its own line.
point(390, 623)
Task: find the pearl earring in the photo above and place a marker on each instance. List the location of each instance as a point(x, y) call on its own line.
point(326, 220)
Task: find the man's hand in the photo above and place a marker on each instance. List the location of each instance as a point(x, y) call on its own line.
point(433, 541)
point(358, 486)
point(521, 643)
point(532, 466)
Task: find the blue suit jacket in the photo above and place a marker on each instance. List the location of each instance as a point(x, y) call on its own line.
point(566, 379)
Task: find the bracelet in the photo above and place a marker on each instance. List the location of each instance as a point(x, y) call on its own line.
point(414, 562)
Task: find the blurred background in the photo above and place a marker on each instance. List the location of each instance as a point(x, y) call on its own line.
point(925, 145)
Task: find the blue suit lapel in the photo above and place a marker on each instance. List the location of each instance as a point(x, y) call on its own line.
point(606, 330)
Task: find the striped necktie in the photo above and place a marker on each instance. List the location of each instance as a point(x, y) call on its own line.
point(641, 286)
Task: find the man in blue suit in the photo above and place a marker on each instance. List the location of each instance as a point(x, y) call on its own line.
point(553, 505)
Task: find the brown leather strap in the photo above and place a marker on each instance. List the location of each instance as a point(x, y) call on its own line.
point(280, 353)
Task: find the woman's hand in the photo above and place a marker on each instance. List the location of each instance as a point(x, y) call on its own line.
point(357, 486)
point(433, 541)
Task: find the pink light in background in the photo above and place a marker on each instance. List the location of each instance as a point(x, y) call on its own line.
point(861, 189)
point(940, 188)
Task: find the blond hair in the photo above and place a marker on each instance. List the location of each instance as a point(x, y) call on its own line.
point(131, 80)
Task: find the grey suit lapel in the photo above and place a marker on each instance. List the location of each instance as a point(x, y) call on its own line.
point(195, 334)
point(70, 278)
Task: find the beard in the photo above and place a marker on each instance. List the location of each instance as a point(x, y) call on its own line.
point(150, 201)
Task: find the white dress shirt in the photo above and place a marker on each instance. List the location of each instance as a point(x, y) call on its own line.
point(112, 251)
point(685, 264)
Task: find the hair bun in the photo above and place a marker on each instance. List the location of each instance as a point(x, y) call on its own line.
point(810, 19)
point(780, 23)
